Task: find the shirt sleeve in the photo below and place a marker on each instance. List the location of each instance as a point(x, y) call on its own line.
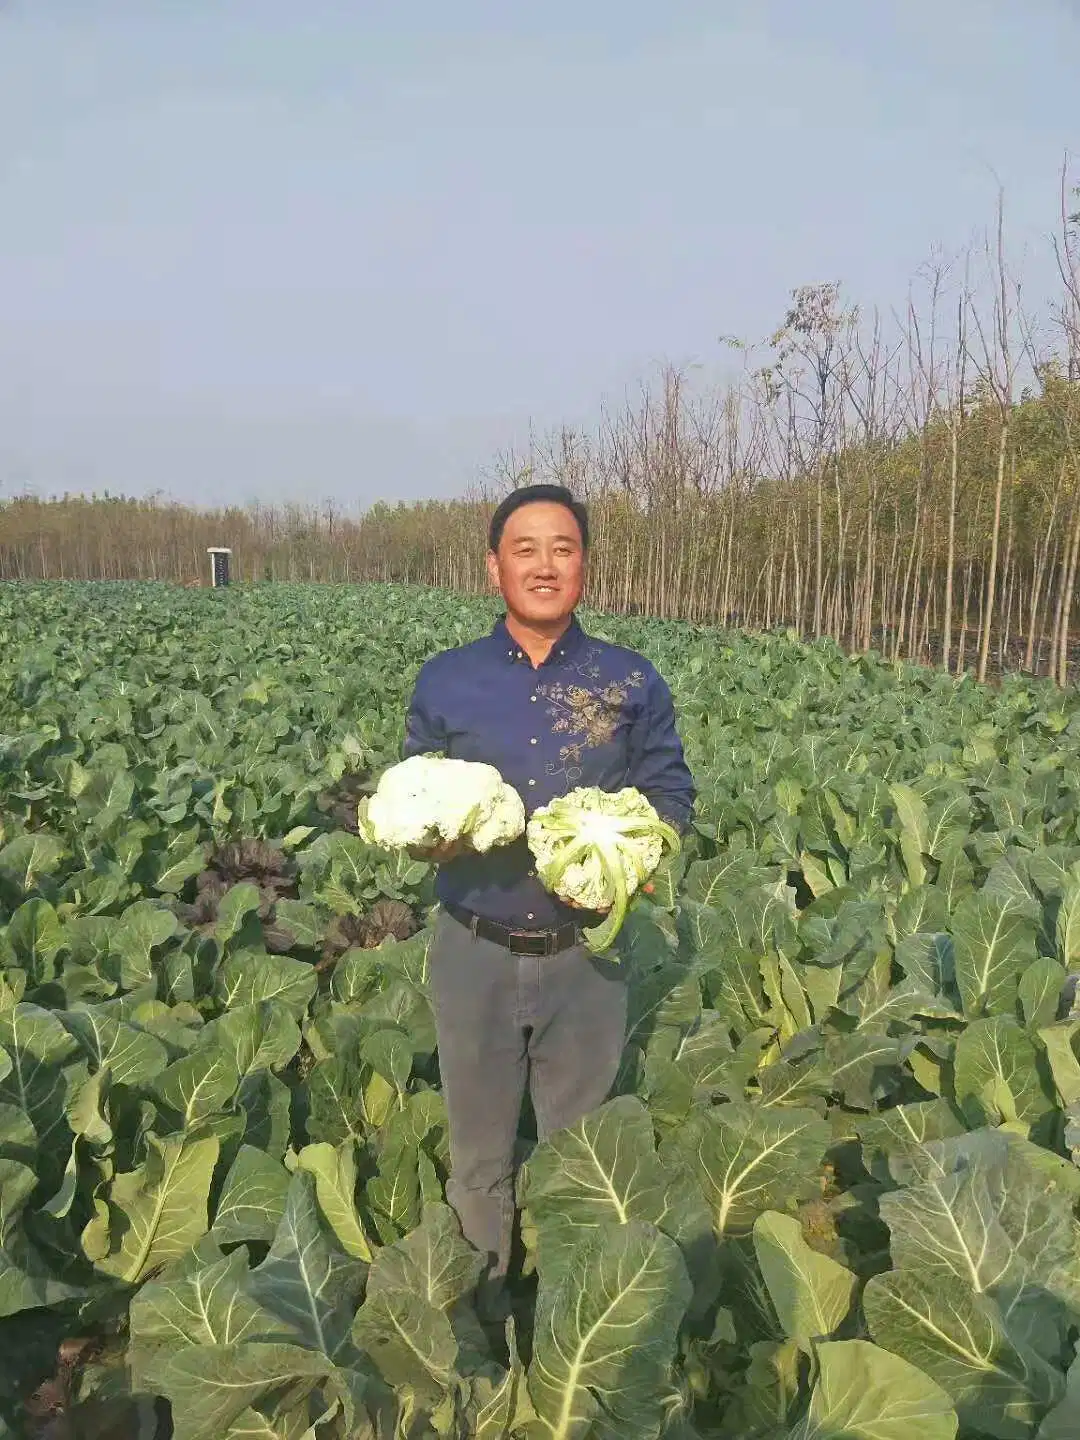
point(658, 766)
point(424, 730)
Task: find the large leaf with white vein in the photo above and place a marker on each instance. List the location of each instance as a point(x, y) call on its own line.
point(411, 1343)
point(405, 1324)
point(201, 1301)
point(262, 1036)
point(269, 1423)
point(307, 1280)
point(862, 1067)
point(949, 1226)
point(252, 1199)
point(434, 1261)
point(37, 1046)
point(751, 1158)
point(35, 934)
point(994, 942)
point(602, 1169)
point(28, 856)
point(504, 1405)
point(335, 1189)
point(865, 1393)
point(605, 1336)
point(133, 1056)
point(162, 1205)
point(811, 1293)
point(394, 1195)
point(928, 959)
point(142, 928)
point(212, 1385)
point(1040, 991)
point(1067, 928)
point(250, 976)
point(989, 1147)
point(999, 1224)
point(996, 1074)
point(960, 1339)
point(26, 1281)
point(17, 1184)
point(235, 906)
point(706, 1057)
point(903, 1130)
point(711, 882)
point(265, 1102)
point(923, 910)
point(198, 1086)
point(914, 825)
point(106, 796)
point(203, 1311)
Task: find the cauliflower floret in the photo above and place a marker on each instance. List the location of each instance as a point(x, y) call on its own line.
point(428, 800)
point(505, 822)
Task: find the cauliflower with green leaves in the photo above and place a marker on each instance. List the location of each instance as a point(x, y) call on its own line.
point(594, 850)
point(429, 801)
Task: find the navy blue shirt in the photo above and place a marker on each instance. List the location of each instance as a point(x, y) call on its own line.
point(591, 714)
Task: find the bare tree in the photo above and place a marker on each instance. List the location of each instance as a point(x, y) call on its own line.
point(997, 370)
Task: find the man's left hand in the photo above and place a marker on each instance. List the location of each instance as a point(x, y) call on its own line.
point(588, 909)
point(646, 889)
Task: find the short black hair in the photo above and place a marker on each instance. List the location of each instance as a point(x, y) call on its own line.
point(529, 495)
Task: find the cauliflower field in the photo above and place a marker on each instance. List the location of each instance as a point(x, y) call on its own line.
point(834, 1194)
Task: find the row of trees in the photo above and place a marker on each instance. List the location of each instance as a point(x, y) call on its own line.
point(909, 483)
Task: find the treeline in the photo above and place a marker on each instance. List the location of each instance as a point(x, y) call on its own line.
point(911, 486)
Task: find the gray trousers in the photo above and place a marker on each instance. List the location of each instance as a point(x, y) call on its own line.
point(556, 1023)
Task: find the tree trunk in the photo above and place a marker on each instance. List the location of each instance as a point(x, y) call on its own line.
point(995, 540)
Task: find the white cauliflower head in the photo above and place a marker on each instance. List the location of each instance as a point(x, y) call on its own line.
point(594, 849)
point(427, 800)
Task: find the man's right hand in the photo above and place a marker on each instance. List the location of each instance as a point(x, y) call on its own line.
point(439, 854)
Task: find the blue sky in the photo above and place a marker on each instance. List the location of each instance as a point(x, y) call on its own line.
point(281, 250)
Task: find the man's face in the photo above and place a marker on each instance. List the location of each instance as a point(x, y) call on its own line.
point(540, 563)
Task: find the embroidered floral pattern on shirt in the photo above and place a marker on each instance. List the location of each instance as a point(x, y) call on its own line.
point(588, 715)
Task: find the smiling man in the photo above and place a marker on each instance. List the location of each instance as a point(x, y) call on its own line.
point(519, 1000)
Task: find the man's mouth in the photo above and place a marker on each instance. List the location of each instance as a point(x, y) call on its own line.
point(544, 590)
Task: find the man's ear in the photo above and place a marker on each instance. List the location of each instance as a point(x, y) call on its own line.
point(493, 569)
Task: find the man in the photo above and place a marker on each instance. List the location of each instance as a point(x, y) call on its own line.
point(518, 998)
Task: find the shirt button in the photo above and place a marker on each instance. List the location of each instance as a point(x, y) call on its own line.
point(532, 782)
point(530, 916)
point(532, 874)
point(534, 741)
point(533, 699)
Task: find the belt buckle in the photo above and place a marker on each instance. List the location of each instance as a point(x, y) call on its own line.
point(533, 942)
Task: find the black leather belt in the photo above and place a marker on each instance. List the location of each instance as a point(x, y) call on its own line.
point(519, 942)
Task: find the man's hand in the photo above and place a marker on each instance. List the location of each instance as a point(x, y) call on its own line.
point(573, 904)
point(646, 889)
point(439, 854)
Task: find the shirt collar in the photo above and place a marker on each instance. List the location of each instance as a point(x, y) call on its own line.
point(564, 648)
